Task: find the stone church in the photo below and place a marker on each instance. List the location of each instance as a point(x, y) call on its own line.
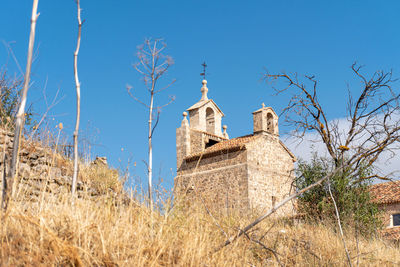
point(248, 172)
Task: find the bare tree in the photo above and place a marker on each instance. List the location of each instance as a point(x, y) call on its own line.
point(152, 65)
point(374, 129)
point(20, 117)
point(374, 126)
point(78, 101)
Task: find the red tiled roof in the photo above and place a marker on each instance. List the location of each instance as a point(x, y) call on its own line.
point(386, 193)
point(392, 233)
point(233, 144)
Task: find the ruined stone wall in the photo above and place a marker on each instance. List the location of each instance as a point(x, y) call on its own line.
point(40, 170)
point(220, 180)
point(270, 172)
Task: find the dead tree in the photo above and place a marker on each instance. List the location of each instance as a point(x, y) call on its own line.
point(374, 129)
point(20, 117)
point(78, 101)
point(374, 125)
point(152, 65)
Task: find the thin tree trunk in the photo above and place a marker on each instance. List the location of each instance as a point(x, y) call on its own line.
point(149, 56)
point(78, 102)
point(20, 118)
point(150, 165)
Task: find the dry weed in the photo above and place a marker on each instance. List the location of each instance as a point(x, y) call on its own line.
point(104, 232)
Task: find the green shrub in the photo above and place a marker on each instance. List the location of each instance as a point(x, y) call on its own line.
point(10, 89)
point(351, 194)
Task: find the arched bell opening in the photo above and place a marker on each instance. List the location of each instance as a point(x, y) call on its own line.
point(270, 123)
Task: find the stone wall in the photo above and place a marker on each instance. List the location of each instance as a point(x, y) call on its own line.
point(220, 180)
point(194, 118)
point(182, 143)
point(270, 174)
point(254, 177)
point(40, 170)
point(262, 122)
point(196, 142)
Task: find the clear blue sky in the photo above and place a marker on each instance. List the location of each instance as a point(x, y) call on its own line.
point(237, 39)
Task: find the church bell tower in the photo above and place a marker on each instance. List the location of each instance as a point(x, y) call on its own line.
point(202, 130)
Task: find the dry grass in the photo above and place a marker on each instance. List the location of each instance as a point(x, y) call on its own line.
point(101, 178)
point(103, 232)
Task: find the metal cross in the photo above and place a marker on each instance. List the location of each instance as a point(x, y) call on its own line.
point(204, 70)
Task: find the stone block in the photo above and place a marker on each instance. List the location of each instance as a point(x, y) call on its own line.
point(24, 170)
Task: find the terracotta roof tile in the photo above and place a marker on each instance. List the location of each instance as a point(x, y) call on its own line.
point(386, 193)
point(392, 233)
point(227, 145)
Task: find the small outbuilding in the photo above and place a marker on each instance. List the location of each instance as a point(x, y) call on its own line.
point(387, 196)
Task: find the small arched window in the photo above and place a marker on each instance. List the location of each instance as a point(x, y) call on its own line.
point(210, 120)
point(270, 123)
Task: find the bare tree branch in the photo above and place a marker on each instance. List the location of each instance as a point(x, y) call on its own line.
point(53, 103)
point(162, 89)
point(265, 247)
point(129, 89)
point(156, 123)
point(11, 52)
point(374, 126)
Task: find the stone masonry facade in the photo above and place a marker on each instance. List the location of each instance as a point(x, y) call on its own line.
point(251, 172)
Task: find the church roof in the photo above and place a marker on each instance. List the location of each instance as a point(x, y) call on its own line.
point(230, 145)
point(218, 137)
point(204, 102)
point(386, 193)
